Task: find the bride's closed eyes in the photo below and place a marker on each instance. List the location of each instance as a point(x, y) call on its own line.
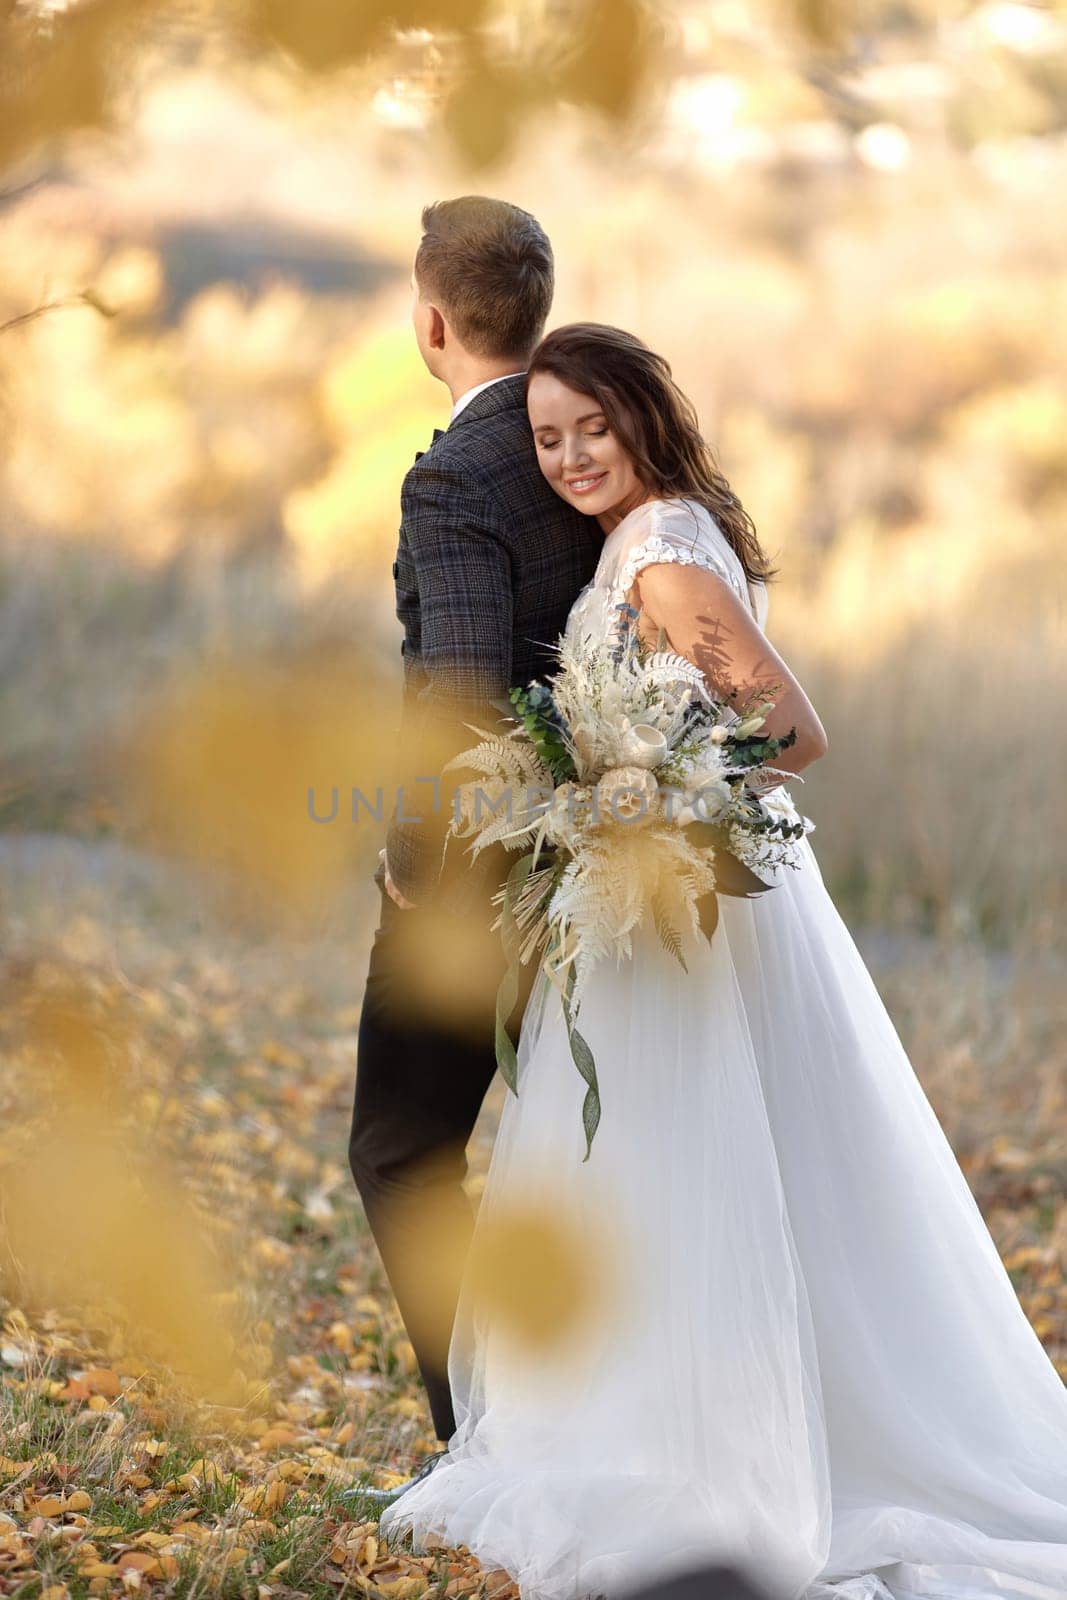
point(551, 444)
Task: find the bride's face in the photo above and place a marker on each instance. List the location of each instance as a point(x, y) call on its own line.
point(578, 453)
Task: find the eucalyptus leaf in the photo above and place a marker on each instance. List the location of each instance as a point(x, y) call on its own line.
point(508, 989)
point(583, 1060)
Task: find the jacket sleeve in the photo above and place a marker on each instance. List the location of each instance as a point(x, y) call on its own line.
point(463, 572)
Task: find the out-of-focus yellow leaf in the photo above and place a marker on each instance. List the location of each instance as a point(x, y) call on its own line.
point(483, 114)
point(322, 35)
point(612, 58)
point(61, 74)
point(276, 777)
point(529, 1269)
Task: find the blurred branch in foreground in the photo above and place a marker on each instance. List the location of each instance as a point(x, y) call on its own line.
point(475, 68)
point(86, 297)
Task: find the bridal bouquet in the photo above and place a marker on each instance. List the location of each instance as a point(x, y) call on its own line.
point(632, 794)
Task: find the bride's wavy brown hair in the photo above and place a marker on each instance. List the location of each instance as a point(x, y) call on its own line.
point(653, 420)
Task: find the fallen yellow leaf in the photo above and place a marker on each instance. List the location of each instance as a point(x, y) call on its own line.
point(136, 1560)
point(276, 1437)
point(48, 1506)
point(102, 1381)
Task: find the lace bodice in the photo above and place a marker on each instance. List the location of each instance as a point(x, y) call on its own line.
point(660, 530)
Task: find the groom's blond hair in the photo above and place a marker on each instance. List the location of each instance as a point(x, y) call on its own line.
point(488, 266)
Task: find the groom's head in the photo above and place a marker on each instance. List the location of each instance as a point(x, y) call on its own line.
point(482, 284)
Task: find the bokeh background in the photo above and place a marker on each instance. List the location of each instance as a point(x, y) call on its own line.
point(841, 223)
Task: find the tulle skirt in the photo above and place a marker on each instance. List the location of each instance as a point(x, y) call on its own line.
point(803, 1355)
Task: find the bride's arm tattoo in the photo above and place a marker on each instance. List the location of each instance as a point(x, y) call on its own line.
point(710, 650)
point(704, 620)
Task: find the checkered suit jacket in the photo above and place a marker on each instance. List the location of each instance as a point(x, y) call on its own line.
point(489, 562)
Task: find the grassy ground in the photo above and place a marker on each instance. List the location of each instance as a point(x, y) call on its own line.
point(114, 1482)
point(110, 1479)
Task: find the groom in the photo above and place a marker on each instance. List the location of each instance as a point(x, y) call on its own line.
point(489, 562)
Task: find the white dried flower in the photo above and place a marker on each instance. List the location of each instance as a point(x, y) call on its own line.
point(712, 798)
point(705, 802)
point(780, 804)
point(626, 793)
point(644, 746)
point(565, 814)
point(584, 738)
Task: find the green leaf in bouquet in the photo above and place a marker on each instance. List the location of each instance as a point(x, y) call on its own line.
point(506, 1059)
point(760, 748)
point(583, 1060)
point(508, 990)
point(732, 876)
point(538, 715)
point(707, 908)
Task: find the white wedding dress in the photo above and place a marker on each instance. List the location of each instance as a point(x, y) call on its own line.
point(813, 1363)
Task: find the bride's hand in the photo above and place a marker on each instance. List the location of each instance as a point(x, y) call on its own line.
point(390, 887)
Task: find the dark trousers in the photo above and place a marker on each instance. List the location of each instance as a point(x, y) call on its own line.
point(421, 1078)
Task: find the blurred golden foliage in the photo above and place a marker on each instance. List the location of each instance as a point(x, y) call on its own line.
point(69, 70)
point(613, 55)
point(275, 777)
point(379, 406)
point(600, 55)
point(54, 73)
point(322, 36)
point(544, 1279)
point(448, 968)
point(823, 23)
point(93, 1224)
point(248, 770)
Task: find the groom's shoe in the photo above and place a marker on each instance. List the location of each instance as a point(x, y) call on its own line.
point(380, 1498)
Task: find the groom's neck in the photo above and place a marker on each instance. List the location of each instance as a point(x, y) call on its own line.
point(467, 372)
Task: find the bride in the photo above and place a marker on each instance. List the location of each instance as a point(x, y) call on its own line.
point(812, 1363)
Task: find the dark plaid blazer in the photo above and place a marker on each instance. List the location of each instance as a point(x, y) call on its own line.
point(489, 563)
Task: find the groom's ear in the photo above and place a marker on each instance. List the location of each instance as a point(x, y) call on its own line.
point(437, 329)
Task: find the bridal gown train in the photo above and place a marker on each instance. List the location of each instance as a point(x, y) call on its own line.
point(813, 1363)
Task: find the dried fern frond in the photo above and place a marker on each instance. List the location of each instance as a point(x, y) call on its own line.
point(670, 938)
point(496, 757)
